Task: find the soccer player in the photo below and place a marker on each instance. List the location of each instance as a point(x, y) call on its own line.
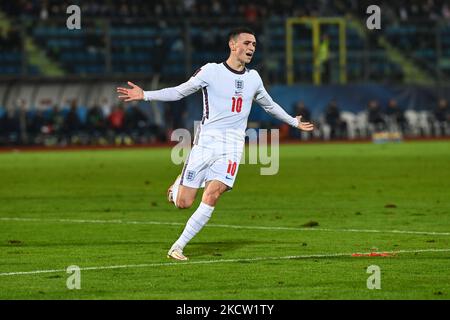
point(229, 88)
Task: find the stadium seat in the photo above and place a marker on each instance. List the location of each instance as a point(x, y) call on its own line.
point(424, 122)
point(324, 128)
point(351, 120)
point(413, 119)
point(362, 124)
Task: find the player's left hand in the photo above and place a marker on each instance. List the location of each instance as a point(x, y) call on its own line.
point(305, 126)
point(131, 94)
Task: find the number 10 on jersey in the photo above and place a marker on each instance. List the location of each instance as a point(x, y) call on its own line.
point(232, 166)
point(236, 104)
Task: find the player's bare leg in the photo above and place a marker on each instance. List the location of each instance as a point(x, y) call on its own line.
point(183, 197)
point(213, 190)
point(198, 220)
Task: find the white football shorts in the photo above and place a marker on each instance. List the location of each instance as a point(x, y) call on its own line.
point(215, 162)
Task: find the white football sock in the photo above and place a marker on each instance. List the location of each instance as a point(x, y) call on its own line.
point(195, 223)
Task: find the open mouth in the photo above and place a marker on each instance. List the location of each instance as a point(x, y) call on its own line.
point(249, 55)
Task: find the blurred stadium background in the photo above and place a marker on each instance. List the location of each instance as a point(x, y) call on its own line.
point(57, 86)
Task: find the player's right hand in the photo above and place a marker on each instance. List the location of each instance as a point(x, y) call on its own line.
point(305, 126)
point(131, 94)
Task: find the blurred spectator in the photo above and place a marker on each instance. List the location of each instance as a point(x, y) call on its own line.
point(338, 127)
point(441, 118)
point(375, 116)
point(72, 124)
point(155, 113)
point(96, 125)
point(12, 126)
point(21, 109)
point(116, 122)
point(56, 123)
point(36, 126)
point(300, 110)
point(136, 125)
point(15, 123)
point(106, 107)
point(395, 117)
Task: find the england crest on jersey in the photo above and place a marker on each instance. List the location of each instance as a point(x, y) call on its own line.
point(239, 84)
point(190, 175)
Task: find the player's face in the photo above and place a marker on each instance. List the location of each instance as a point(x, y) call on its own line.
point(244, 47)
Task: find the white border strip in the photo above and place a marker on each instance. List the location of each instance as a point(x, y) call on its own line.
point(432, 233)
point(150, 265)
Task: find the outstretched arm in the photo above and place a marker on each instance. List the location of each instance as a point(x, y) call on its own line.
point(278, 112)
point(168, 94)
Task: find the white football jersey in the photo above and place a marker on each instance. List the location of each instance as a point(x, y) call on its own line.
point(227, 100)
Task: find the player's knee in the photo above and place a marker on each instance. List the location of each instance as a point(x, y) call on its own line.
point(184, 203)
point(210, 198)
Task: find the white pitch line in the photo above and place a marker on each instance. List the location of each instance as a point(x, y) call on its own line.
point(432, 233)
point(164, 264)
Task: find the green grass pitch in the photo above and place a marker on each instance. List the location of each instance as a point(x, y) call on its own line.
point(106, 210)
